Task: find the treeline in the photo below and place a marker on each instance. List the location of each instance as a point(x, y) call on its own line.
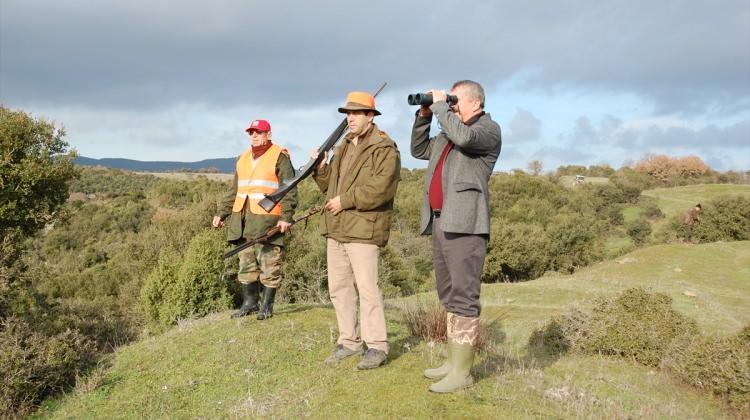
point(655, 171)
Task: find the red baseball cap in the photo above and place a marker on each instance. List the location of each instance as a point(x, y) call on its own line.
point(258, 125)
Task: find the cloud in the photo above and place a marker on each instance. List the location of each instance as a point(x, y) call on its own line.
point(142, 55)
point(733, 136)
point(524, 127)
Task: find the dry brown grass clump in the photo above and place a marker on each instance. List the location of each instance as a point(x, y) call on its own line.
point(427, 321)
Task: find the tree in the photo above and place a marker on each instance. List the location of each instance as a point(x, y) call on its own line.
point(535, 167)
point(34, 175)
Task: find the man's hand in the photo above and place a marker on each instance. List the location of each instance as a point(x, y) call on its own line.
point(334, 205)
point(217, 222)
point(425, 111)
point(284, 226)
point(438, 95)
point(314, 155)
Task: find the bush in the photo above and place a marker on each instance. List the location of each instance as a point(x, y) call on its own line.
point(727, 218)
point(720, 365)
point(635, 325)
point(187, 287)
point(516, 251)
point(574, 242)
point(638, 230)
point(34, 366)
point(650, 208)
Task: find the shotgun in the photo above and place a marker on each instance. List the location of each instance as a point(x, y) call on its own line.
point(271, 232)
point(270, 200)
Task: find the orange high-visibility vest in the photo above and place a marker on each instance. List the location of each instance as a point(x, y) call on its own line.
point(255, 178)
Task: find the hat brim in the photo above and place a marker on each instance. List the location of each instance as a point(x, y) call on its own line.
point(345, 109)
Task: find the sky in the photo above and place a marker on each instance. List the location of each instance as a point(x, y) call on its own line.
point(570, 82)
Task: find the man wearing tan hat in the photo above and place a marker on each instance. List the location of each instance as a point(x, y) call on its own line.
point(260, 170)
point(360, 185)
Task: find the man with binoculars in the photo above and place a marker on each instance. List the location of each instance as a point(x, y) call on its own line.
point(455, 211)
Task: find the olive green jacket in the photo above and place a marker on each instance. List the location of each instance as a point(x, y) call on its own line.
point(367, 190)
point(248, 225)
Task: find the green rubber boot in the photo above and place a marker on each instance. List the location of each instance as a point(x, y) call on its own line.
point(442, 370)
point(461, 357)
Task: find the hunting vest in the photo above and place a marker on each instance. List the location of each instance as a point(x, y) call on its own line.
point(256, 177)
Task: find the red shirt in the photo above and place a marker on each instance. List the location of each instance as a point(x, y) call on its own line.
point(436, 184)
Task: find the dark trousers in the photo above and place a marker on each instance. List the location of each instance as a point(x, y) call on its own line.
point(458, 259)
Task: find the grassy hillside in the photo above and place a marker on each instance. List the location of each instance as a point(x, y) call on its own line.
point(217, 367)
point(678, 200)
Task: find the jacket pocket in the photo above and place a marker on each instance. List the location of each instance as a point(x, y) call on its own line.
point(358, 225)
point(467, 186)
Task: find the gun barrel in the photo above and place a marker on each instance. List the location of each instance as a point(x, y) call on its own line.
point(270, 200)
point(270, 233)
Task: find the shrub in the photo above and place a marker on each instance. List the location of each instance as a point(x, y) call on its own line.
point(33, 365)
point(574, 242)
point(635, 325)
point(516, 251)
point(650, 208)
point(727, 218)
point(185, 287)
point(638, 230)
point(720, 365)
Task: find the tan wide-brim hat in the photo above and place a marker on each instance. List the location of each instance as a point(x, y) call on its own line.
point(359, 101)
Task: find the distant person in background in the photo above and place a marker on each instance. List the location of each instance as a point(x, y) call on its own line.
point(360, 186)
point(260, 170)
point(691, 217)
point(455, 211)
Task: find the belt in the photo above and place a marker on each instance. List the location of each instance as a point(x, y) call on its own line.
point(435, 213)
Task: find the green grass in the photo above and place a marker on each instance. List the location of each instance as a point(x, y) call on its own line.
point(570, 180)
point(217, 367)
point(631, 213)
point(679, 200)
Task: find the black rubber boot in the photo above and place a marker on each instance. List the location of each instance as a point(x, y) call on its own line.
point(268, 296)
point(250, 295)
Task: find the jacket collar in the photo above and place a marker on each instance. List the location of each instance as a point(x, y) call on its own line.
point(475, 118)
point(371, 139)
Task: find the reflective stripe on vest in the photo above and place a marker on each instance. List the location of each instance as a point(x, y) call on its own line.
point(256, 178)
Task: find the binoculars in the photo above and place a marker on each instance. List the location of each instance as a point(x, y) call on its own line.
point(426, 99)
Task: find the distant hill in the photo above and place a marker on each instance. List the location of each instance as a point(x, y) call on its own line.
point(222, 165)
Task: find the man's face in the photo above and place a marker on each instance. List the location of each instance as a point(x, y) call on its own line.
point(467, 107)
point(259, 138)
point(359, 121)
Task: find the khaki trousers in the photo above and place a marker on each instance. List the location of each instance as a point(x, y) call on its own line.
point(353, 267)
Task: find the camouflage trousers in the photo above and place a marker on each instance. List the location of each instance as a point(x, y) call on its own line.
point(462, 330)
point(261, 262)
